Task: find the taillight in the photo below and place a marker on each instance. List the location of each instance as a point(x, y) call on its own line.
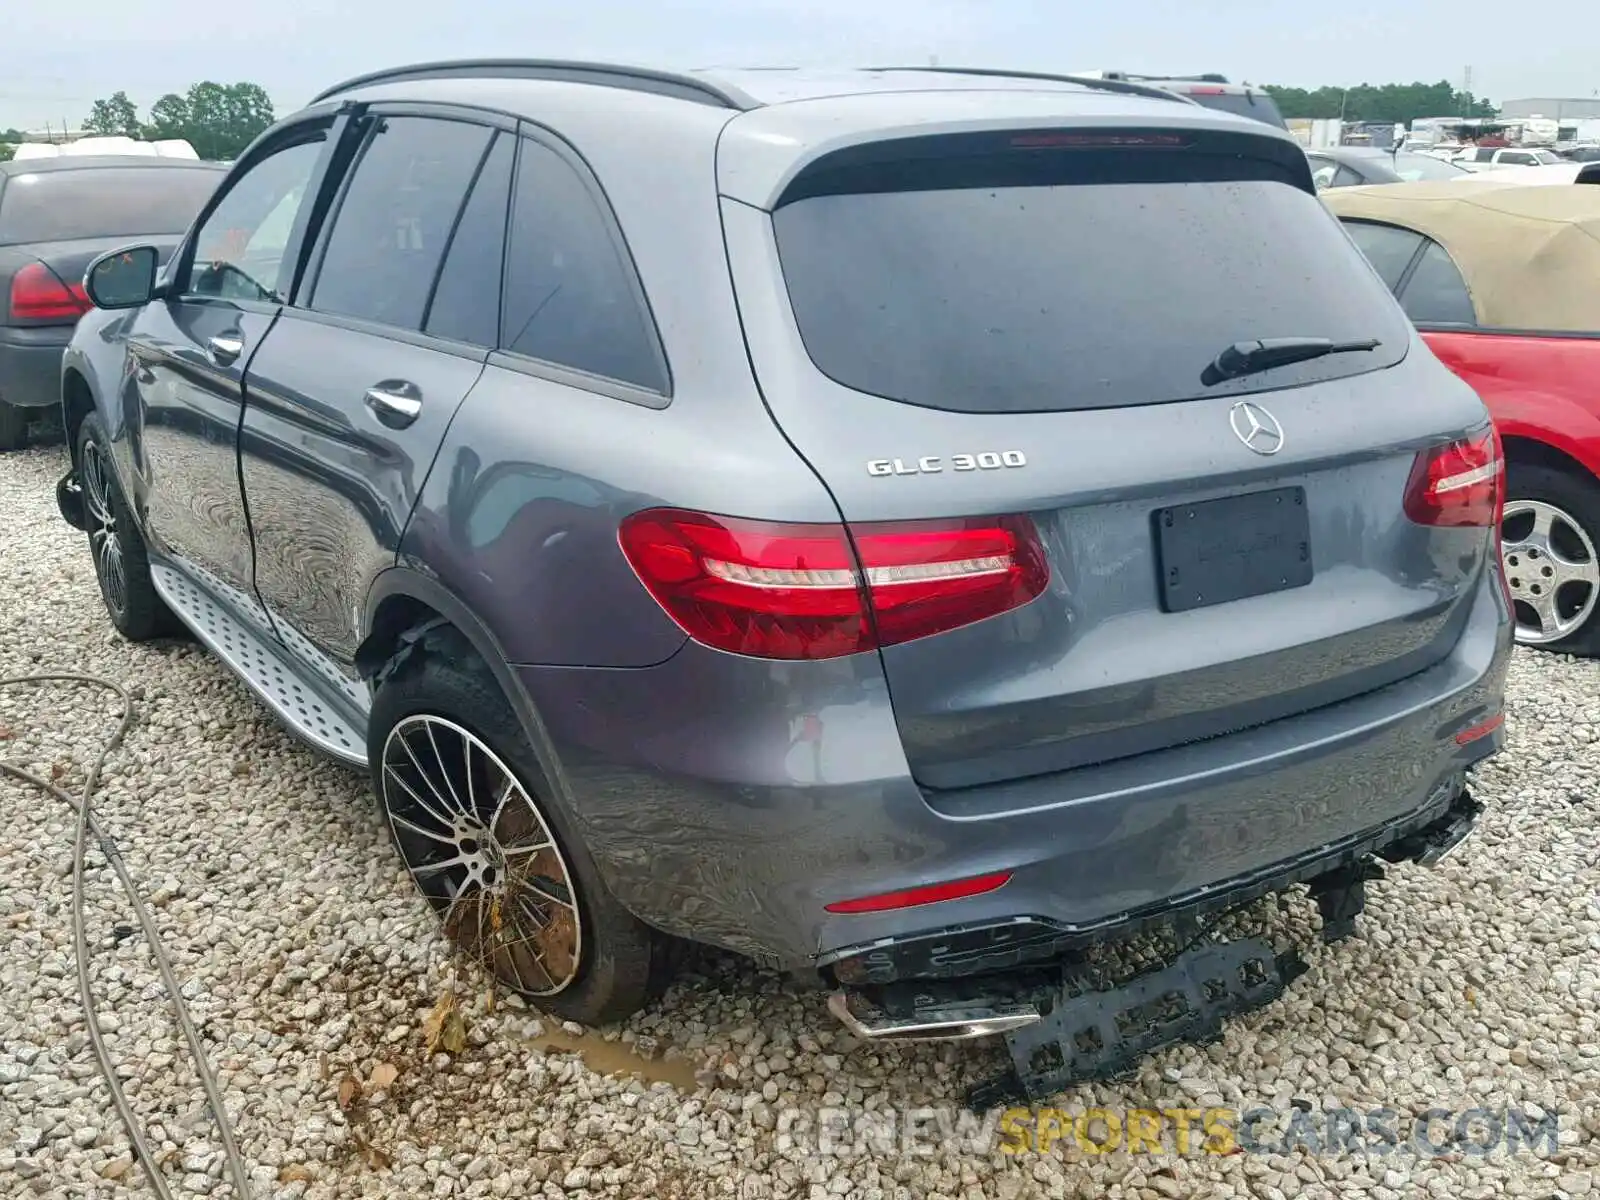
point(794, 591)
point(930, 893)
point(1459, 483)
point(38, 295)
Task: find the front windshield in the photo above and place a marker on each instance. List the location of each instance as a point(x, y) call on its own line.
point(1547, 156)
point(1412, 167)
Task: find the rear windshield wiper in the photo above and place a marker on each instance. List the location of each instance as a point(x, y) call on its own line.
point(1248, 358)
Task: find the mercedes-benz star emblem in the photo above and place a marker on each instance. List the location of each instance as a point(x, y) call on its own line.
point(1256, 427)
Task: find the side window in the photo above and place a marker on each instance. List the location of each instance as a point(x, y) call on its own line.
point(1436, 294)
point(1388, 248)
point(1485, 154)
point(572, 297)
point(1347, 178)
point(1519, 160)
point(392, 225)
point(466, 300)
point(239, 250)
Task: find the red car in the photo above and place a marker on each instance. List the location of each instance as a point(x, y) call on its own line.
point(1503, 283)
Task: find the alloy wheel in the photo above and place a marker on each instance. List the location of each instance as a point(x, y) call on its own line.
point(104, 544)
point(1552, 569)
point(480, 850)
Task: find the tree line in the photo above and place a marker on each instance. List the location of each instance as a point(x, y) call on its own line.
point(218, 119)
point(1389, 102)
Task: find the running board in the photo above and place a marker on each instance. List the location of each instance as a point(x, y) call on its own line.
point(264, 667)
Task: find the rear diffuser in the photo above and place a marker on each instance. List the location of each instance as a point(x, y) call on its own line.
point(1095, 1035)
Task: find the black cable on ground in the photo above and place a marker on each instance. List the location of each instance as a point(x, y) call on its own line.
point(86, 825)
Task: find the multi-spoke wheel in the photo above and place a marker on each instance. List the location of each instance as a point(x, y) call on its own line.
point(490, 846)
point(481, 853)
point(103, 542)
point(121, 565)
point(1548, 540)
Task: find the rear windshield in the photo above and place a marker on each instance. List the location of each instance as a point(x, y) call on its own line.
point(1257, 105)
point(92, 202)
point(1077, 295)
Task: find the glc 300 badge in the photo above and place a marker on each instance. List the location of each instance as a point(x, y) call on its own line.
point(933, 464)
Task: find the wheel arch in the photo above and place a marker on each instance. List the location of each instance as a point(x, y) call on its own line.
point(1533, 452)
point(77, 402)
point(401, 600)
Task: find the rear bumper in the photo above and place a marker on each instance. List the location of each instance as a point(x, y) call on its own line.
point(730, 801)
point(30, 365)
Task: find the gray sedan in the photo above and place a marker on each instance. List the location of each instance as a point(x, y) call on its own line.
point(1349, 166)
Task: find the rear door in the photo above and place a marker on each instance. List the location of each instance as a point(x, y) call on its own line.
point(351, 393)
point(1022, 324)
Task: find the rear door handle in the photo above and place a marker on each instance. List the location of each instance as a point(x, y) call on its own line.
point(395, 402)
point(225, 347)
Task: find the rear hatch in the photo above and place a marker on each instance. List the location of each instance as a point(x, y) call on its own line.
point(1019, 323)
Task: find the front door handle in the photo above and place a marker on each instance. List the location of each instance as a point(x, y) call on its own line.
point(395, 402)
point(225, 347)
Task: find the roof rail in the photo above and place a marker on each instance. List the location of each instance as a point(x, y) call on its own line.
point(641, 79)
point(1211, 77)
point(1120, 85)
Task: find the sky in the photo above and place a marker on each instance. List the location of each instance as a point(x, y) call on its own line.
point(60, 57)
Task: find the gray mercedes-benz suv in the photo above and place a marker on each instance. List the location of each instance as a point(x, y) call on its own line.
point(907, 526)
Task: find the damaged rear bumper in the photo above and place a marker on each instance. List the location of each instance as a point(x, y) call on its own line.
point(1014, 943)
point(1061, 1031)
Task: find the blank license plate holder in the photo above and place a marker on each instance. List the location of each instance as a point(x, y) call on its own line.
point(1232, 548)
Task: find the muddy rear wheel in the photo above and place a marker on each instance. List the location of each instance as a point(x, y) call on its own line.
point(491, 851)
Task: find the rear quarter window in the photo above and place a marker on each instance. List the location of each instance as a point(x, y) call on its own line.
point(102, 202)
point(1106, 281)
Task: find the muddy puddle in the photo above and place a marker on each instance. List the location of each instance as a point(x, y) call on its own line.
point(616, 1058)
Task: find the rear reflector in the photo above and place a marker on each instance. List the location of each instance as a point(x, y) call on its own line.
point(792, 591)
point(1481, 730)
point(37, 294)
point(930, 894)
point(1460, 483)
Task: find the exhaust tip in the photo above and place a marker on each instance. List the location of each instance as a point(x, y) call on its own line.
point(957, 1022)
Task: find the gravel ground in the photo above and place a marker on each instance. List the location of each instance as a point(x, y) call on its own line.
point(312, 969)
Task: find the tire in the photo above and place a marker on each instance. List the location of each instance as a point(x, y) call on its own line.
point(596, 957)
point(1551, 557)
point(121, 563)
point(13, 426)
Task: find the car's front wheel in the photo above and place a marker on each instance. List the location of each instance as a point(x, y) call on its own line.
point(496, 857)
point(1548, 549)
point(121, 564)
